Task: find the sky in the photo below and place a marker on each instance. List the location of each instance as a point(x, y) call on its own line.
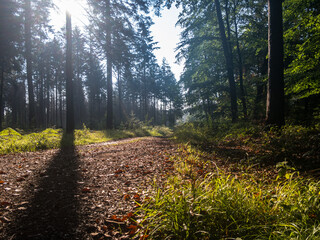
point(164, 30)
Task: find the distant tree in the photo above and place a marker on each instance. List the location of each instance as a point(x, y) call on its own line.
point(113, 17)
point(9, 41)
point(80, 57)
point(28, 55)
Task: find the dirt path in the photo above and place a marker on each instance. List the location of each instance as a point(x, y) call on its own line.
point(89, 192)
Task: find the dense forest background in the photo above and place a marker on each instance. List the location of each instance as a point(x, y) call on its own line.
point(116, 77)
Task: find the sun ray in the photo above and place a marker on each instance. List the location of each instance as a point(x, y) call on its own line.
point(74, 7)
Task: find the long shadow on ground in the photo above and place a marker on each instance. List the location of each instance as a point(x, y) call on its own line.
point(53, 212)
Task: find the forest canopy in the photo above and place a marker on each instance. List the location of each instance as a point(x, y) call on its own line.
point(116, 75)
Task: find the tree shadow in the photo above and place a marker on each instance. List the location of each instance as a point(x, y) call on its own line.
point(54, 210)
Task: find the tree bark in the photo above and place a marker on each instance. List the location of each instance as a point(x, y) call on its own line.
point(275, 96)
point(242, 92)
point(120, 95)
point(28, 48)
point(69, 76)
point(109, 67)
point(1, 95)
point(229, 63)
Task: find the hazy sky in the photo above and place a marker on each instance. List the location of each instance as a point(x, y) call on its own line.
point(167, 36)
point(163, 31)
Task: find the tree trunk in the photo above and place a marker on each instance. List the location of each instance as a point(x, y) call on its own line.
point(1, 95)
point(275, 96)
point(109, 68)
point(48, 113)
point(69, 76)
point(41, 111)
point(28, 48)
point(229, 63)
point(120, 95)
point(242, 92)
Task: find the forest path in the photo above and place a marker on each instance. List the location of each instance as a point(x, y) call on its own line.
point(87, 192)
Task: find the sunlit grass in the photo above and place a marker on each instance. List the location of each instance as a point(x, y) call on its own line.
point(201, 201)
point(13, 141)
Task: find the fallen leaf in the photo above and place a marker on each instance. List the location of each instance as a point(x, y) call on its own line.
point(136, 197)
point(5, 220)
point(20, 179)
point(133, 229)
point(118, 171)
point(5, 203)
point(86, 190)
point(144, 237)
point(126, 197)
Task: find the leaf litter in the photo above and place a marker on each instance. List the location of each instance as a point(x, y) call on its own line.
point(90, 192)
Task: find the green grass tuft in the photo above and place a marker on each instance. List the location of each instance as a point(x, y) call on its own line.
point(219, 205)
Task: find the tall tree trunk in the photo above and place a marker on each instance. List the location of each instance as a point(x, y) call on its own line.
point(109, 68)
point(1, 94)
point(69, 76)
point(154, 111)
point(48, 98)
point(41, 110)
point(145, 101)
point(242, 92)
point(229, 63)
point(28, 48)
point(56, 101)
point(120, 95)
point(275, 97)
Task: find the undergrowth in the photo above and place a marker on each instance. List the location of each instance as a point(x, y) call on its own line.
point(298, 145)
point(238, 181)
point(17, 141)
point(202, 201)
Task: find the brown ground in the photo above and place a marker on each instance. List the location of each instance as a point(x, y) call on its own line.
point(89, 192)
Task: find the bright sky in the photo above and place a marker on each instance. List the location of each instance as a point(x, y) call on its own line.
point(168, 37)
point(163, 31)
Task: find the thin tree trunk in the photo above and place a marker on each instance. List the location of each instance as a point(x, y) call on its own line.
point(275, 96)
point(56, 101)
point(109, 68)
point(242, 92)
point(1, 95)
point(28, 48)
point(48, 99)
point(229, 63)
point(154, 111)
point(120, 95)
point(41, 111)
point(145, 101)
point(69, 76)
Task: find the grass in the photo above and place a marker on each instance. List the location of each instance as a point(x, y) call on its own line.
point(298, 145)
point(17, 141)
point(201, 201)
point(238, 181)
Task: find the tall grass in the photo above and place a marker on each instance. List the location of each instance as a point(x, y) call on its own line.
point(219, 205)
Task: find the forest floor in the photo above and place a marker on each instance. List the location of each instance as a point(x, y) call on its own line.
point(85, 192)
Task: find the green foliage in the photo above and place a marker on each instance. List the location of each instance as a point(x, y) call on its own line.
point(12, 141)
point(192, 133)
point(302, 20)
point(295, 144)
point(227, 206)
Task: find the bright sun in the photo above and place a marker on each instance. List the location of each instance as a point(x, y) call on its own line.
point(75, 7)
